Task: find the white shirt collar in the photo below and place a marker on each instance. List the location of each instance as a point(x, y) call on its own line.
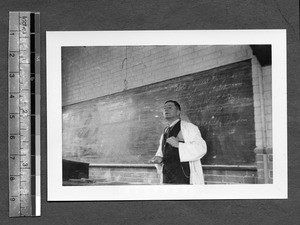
point(172, 124)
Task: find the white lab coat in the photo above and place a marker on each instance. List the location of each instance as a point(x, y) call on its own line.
point(192, 150)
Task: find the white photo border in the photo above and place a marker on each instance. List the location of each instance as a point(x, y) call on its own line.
point(59, 39)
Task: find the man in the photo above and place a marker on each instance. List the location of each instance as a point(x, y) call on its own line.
point(180, 150)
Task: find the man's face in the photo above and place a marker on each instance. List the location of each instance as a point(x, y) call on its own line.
point(170, 111)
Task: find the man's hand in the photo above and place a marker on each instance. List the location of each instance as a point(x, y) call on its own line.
point(173, 141)
point(156, 160)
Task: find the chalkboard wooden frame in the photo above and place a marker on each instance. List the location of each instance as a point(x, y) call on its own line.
point(219, 101)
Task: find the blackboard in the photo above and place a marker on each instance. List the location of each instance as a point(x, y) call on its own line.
point(125, 127)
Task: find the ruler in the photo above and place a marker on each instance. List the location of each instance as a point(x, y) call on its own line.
point(24, 114)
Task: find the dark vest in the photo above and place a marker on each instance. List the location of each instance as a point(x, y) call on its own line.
point(174, 172)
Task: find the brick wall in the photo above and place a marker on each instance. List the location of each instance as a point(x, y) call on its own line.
point(233, 175)
point(90, 72)
point(124, 174)
point(141, 174)
point(262, 88)
point(267, 90)
point(267, 81)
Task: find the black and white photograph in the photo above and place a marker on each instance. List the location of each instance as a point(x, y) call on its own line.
point(166, 115)
point(150, 112)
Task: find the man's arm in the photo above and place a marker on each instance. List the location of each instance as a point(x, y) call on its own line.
point(194, 147)
point(157, 159)
point(159, 150)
